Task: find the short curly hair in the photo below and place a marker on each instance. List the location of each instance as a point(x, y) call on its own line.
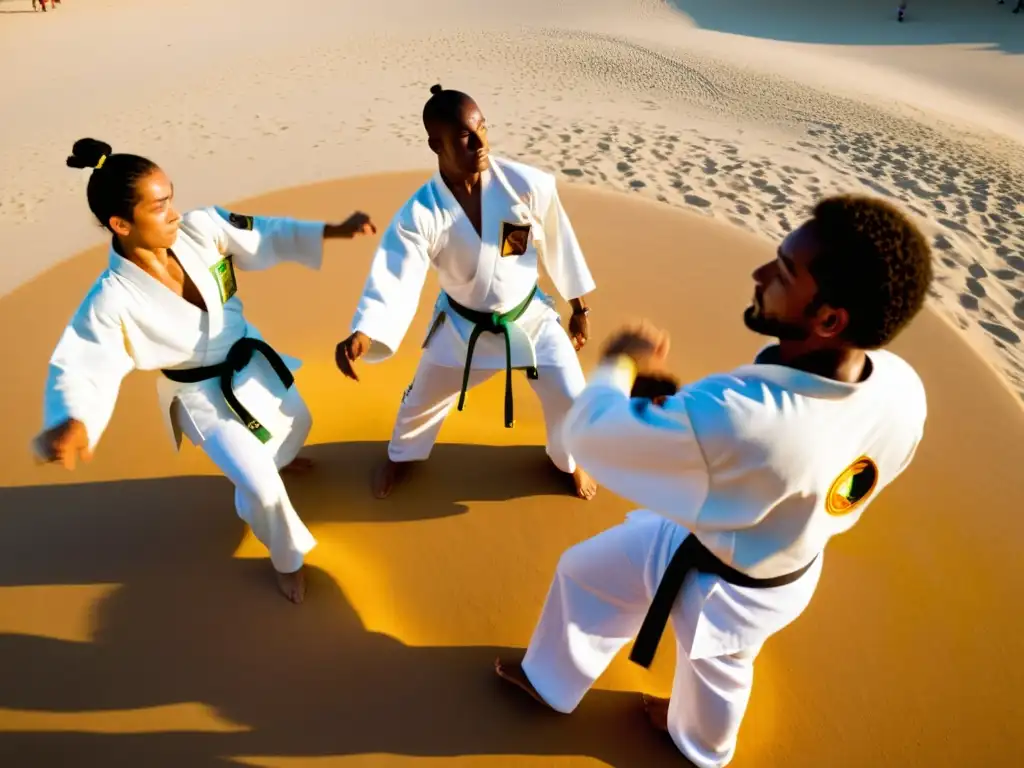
point(874, 263)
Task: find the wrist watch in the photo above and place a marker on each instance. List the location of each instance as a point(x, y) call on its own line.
point(581, 311)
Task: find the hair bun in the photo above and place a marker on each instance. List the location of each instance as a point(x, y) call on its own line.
point(87, 153)
point(436, 89)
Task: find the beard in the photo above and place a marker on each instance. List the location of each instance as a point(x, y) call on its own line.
point(767, 326)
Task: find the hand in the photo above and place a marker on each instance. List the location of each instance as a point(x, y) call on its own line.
point(358, 223)
point(656, 387)
point(350, 350)
point(579, 329)
point(645, 344)
point(64, 443)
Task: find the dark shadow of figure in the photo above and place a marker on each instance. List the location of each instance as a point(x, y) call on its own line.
point(864, 23)
point(192, 624)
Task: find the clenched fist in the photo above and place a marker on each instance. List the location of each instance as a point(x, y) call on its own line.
point(350, 350)
point(645, 344)
point(65, 443)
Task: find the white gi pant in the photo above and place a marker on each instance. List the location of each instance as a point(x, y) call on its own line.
point(261, 499)
point(597, 602)
point(435, 389)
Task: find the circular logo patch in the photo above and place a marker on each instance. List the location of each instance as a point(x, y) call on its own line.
point(853, 485)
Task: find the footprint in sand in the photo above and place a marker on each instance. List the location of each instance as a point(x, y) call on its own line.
point(976, 288)
point(968, 302)
point(699, 202)
point(1000, 332)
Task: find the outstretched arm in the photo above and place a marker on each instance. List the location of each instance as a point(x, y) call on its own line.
point(650, 454)
point(260, 242)
point(393, 288)
point(567, 267)
point(643, 452)
point(85, 373)
point(563, 256)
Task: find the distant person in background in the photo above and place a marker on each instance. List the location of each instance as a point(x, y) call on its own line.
point(901, 11)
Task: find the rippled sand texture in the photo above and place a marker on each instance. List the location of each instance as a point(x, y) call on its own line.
point(732, 109)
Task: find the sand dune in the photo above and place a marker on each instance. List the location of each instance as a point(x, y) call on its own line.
point(137, 622)
point(190, 658)
point(679, 106)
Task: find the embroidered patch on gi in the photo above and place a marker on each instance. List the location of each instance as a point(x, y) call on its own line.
point(854, 484)
point(240, 221)
point(514, 238)
point(224, 273)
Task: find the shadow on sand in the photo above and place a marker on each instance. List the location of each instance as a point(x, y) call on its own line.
point(867, 22)
point(189, 623)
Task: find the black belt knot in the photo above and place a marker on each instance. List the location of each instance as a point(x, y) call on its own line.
point(691, 555)
point(493, 322)
point(238, 357)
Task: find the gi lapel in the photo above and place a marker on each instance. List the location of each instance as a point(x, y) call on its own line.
point(519, 208)
point(487, 243)
point(154, 291)
point(202, 275)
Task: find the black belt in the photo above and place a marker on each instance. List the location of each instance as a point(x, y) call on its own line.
point(493, 322)
point(691, 555)
point(238, 357)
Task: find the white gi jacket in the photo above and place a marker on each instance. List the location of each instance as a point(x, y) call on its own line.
point(523, 225)
point(763, 464)
point(129, 320)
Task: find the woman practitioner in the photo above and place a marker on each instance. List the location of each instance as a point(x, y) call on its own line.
point(167, 301)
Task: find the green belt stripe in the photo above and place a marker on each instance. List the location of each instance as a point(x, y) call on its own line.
point(493, 322)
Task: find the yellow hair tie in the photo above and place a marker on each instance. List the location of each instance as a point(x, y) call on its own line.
point(103, 159)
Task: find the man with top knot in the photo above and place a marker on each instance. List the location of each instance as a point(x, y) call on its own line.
point(485, 224)
point(743, 476)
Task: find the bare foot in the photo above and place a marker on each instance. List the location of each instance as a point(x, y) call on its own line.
point(298, 466)
point(387, 476)
point(513, 672)
point(586, 488)
point(657, 711)
point(292, 585)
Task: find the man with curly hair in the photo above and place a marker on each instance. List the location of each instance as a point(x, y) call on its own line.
point(744, 476)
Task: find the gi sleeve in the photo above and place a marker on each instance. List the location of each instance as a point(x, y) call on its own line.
point(561, 253)
point(392, 290)
point(261, 242)
point(642, 452)
point(86, 369)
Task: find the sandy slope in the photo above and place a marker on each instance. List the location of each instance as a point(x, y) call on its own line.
point(121, 609)
point(625, 95)
point(130, 636)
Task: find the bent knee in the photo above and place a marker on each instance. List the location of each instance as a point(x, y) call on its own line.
point(560, 386)
point(264, 488)
point(294, 407)
point(575, 560)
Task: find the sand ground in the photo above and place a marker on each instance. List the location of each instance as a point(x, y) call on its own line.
point(740, 112)
point(129, 630)
point(137, 624)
